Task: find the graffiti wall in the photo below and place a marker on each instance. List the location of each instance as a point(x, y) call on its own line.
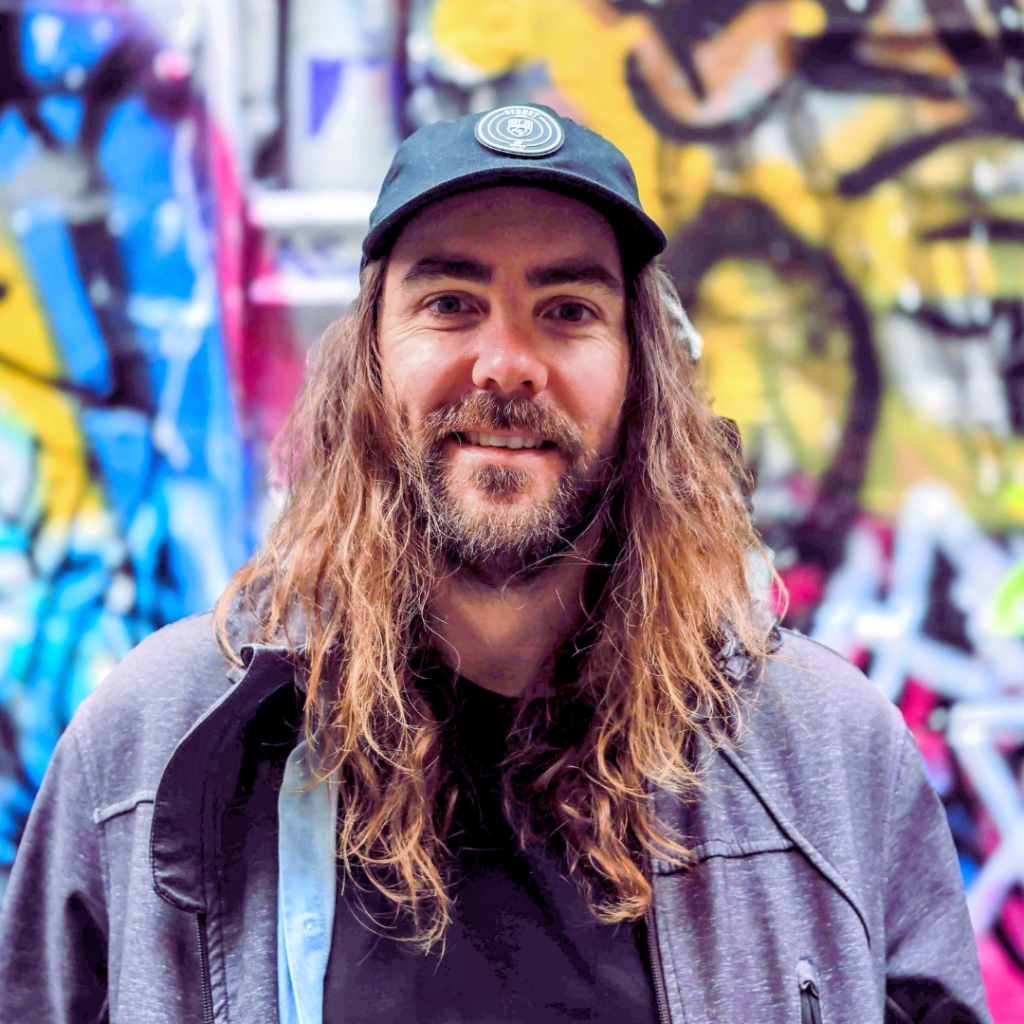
point(843, 186)
point(122, 490)
point(842, 182)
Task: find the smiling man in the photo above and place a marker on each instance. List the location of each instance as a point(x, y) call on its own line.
point(503, 343)
point(543, 340)
point(493, 728)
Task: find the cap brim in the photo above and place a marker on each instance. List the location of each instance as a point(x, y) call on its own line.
point(640, 238)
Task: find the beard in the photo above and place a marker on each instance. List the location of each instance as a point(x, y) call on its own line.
point(511, 540)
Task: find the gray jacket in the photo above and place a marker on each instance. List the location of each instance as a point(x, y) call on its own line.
point(826, 886)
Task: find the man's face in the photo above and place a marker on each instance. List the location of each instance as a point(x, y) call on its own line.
point(503, 344)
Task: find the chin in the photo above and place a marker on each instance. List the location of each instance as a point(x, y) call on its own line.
point(484, 503)
point(503, 511)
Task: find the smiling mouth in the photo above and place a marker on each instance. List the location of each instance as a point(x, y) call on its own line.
point(482, 439)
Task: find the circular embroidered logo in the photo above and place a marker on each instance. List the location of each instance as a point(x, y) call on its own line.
point(520, 131)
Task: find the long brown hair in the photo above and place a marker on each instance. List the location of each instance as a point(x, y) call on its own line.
point(349, 558)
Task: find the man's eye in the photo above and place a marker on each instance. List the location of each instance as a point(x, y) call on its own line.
point(572, 312)
point(447, 305)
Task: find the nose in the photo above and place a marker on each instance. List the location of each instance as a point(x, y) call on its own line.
point(508, 361)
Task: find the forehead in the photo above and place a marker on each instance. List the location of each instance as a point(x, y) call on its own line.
point(508, 223)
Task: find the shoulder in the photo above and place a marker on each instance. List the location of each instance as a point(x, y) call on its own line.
point(820, 737)
point(129, 726)
point(177, 670)
point(807, 689)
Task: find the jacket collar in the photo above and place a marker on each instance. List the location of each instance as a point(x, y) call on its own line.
point(208, 757)
point(202, 771)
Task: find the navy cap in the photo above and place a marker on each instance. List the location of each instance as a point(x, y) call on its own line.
point(515, 145)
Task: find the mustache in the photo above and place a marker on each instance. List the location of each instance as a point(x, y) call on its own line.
point(481, 410)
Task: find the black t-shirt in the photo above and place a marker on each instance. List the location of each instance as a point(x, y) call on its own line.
point(522, 946)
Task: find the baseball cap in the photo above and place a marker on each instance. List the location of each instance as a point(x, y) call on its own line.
point(513, 145)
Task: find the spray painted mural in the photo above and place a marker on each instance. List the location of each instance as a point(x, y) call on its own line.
point(121, 468)
point(843, 186)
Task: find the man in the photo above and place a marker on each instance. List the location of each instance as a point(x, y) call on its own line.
point(494, 728)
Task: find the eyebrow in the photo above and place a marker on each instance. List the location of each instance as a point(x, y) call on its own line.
point(464, 268)
point(574, 272)
point(461, 267)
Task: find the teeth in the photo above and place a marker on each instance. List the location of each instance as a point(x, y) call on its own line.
point(494, 441)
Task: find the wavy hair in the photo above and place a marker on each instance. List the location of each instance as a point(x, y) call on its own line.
point(350, 558)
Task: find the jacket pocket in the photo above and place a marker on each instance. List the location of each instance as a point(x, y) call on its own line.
point(810, 997)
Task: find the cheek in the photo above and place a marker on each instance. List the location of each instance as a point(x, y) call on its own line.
point(597, 391)
point(417, 373)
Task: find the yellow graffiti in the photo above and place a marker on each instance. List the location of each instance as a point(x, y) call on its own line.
point(32, 398)
point(985, 471)
point(585, 45)
point(784, 376)
point(912, 237)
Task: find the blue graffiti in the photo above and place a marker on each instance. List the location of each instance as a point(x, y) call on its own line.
point(104, 196)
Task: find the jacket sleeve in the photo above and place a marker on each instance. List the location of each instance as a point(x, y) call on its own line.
point(53, 923)
point(931, 958)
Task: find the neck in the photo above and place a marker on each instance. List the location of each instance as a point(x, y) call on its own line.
point(506, 638)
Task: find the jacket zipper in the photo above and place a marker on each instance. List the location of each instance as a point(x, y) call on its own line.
point(657, 975)
point(810, 998)
point(204, 970)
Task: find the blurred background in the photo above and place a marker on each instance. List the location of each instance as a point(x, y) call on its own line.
point(184, 185)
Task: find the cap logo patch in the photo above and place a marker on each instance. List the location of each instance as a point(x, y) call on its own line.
point(520, 131)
